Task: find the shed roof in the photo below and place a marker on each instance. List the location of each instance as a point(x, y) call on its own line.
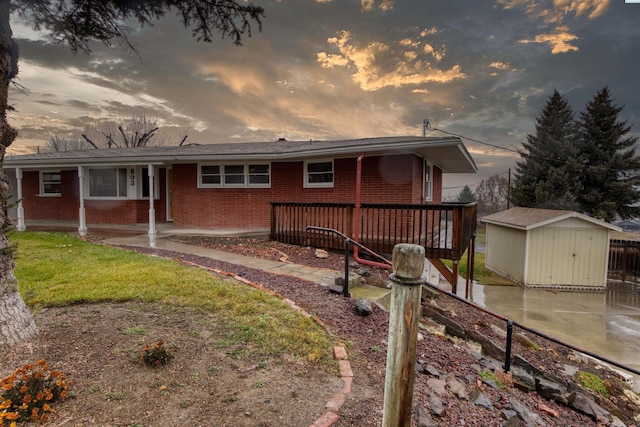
point(447, 153)
point(530, 218)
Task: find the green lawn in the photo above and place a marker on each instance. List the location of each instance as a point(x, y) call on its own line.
point(480, 273)
point(56, 269)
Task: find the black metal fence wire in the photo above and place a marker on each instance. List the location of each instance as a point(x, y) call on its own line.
point(511, 323)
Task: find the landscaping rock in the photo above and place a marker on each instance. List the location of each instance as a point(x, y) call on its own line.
point(451, 327)
point(363, 307)
point(458, 388)
point(522, 380)
point(436, 405)
point(552, 391)
point(424, 417)
point(530, 418)
point(322, 254)
point(437, 386)
point(489, 348)
point(525, 341)
point(480, 399)
point(581, 403)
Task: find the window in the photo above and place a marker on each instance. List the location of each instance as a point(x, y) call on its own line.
point(210, 175)
point(428, 182)
point(50, 183)
point(318, 174)
point(235, 175)
point(145, 185)
point(108, 182)
point(259, 175)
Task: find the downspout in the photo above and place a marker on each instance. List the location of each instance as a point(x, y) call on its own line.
point(356, 221)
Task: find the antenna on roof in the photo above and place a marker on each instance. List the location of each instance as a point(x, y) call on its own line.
point(426, 125)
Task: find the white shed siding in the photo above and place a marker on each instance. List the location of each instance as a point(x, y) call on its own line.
point(563, 256)
point(505, 251)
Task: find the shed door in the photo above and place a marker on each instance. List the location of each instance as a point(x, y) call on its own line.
point(567, 256)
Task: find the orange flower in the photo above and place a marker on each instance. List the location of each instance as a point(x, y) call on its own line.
point(24, 389)
point(4, 405)
point(12, 416)
point(37, 375)
point(40, 396)
point(27, 399)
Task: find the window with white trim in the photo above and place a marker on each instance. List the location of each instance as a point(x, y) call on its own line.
point(108, 182)
point(428, 181)
point(318, 173)
point(50, 183)
point(234, 175)
point(209, 176)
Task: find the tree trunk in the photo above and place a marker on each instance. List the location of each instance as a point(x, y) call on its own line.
point(16, 322)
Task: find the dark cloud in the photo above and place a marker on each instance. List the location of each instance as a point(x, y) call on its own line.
point(338, 69)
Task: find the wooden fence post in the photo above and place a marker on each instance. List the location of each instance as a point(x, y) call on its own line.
point(408, 267)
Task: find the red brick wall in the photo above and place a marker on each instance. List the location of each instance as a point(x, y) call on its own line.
point(66, 207)
point(388, 179)
point(437, 185)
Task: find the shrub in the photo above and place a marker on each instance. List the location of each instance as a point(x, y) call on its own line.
point(29, 393)
point(155, 355)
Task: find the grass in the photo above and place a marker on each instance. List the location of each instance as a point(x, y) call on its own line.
point(480, 273)
point(56, 269)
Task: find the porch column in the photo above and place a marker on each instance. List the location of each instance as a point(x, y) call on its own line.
point(82, 226)
point(20, 209)
point(152, 212)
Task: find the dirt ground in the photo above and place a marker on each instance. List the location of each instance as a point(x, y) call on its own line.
point(97, 347)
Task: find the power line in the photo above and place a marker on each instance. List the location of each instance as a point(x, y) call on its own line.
point(474, 140)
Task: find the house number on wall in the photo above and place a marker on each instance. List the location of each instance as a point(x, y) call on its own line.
point(132, 177)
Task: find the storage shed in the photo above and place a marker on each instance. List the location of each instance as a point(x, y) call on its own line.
point(548, 248)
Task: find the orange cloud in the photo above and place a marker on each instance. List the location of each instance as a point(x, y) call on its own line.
point(559, 41)
point(378, 65)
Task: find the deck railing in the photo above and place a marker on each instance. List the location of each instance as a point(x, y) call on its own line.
point(624, 260)
point(444, 230)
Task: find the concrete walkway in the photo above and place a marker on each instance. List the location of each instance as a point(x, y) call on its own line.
point(322, 276)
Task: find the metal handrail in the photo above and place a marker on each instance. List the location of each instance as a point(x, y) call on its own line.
point(347, 241)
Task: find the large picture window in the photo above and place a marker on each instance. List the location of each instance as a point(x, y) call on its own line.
point(50, 183)
point(318, 174)
point(234, 175)
point(108, 182)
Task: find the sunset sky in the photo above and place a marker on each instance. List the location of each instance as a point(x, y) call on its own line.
point(327, 69)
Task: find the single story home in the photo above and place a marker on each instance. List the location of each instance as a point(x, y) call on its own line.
point(548, 248)
point(227, 186)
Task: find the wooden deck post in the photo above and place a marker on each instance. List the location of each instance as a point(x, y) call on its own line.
point(408, 267)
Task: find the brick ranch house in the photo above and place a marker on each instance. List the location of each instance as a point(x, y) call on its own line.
point(378, 190)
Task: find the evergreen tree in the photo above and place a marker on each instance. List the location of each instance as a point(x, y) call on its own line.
point(466, 195)
point(611, 174)
point(548, 175)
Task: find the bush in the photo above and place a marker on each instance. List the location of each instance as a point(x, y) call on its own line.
point(29, 393)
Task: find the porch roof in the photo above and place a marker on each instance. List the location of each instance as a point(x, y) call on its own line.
point(448, 153)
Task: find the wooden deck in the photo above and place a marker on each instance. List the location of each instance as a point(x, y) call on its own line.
point(445, 230)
